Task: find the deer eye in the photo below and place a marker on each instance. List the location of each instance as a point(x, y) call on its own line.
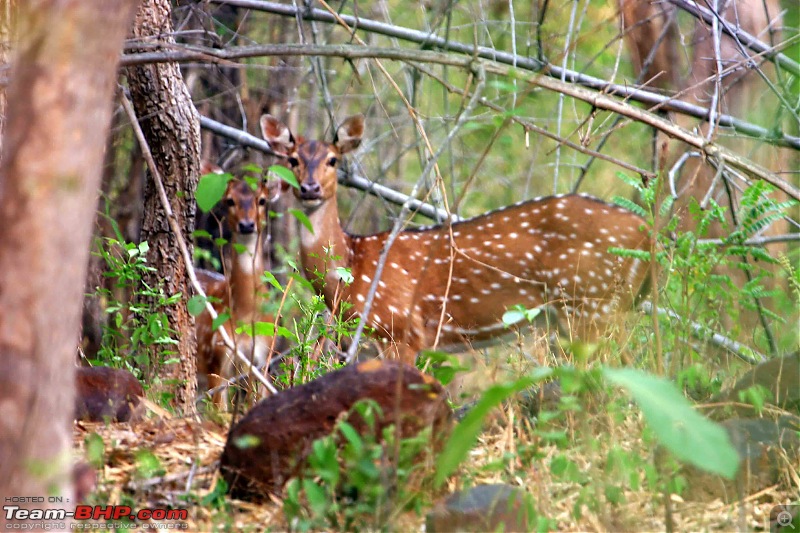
point(293, 162)
point(332, 162)
point(262, 201)
point(230, 202)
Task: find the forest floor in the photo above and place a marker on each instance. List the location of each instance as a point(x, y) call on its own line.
point(172, 462)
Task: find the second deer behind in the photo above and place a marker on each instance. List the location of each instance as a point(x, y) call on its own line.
point(241, 293)
point(448, 286)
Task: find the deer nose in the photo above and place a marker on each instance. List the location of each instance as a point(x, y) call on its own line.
point(310, 189)
point(246, 227)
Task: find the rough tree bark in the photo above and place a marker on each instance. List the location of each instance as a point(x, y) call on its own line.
point(58, 116)
point(172, 128)
point(7, 11)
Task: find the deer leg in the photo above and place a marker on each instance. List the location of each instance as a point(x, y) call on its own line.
point(222, 365)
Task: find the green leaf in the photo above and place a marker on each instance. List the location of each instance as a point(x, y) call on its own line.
point(147, 463)
point(246, 441)
point(352, 437)
point(196, 305)
point(317, 498)
point(285, 174)
point(344, 274)
point(513, 316)
point(518, 313)
point(259, 329)
point(299, 215)
point(95, 449)
point(210, 189)
point(221, 319)
point(198, 233)
point(270, 278)
point(690, 436)
point(466, 433)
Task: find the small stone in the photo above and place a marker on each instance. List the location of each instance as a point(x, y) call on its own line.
point(481, 508)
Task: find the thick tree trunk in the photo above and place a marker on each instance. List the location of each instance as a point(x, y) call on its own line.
point(59, 109)
point(172, 128)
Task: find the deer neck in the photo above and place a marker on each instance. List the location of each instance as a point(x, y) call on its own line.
point(247, 266)
point(325, 250)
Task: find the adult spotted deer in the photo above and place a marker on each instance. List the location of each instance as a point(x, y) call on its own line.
point(449, 286)
point(241, 293)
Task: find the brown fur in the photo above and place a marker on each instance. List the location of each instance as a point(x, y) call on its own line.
point(449, 286)
point(241, 293)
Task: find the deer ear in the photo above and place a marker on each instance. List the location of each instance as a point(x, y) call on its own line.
point(348, 136)
point(274, 188)
point(207, 167)
point(277, 135)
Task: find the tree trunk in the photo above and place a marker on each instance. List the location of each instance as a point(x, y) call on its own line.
point(7, 11)
point(172, 129)
point(59, 109)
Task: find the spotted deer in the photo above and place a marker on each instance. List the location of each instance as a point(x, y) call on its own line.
point(449, 286)
point(240, 293)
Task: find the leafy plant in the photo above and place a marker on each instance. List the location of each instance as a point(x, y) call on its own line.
point(358, 480)
point(137, 328)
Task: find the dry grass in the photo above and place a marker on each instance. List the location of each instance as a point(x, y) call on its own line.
point(511, 450)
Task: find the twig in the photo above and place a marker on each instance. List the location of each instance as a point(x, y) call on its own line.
point(748, 40)
point(236, 379)
point(184, 249)
point(712, 108)
point(758, 241)
point(672, 175)
point(405, 212)
point(701, 332)
point(563, 78)
point(608, 103)
point(525, 63)
point(171, 478)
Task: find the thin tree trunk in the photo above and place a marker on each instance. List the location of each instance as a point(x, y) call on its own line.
point(59, 109)
point(172, 128)
point(7, 12)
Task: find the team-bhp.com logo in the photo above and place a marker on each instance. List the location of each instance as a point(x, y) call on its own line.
point(125, 516)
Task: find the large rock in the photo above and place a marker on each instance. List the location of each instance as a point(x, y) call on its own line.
point(766, 449)
point(269, 444)
point(107, 394)
point(481, 508)
point(780, 376)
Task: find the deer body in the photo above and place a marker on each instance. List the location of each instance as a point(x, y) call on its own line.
point(449, 286)
point(240, 294)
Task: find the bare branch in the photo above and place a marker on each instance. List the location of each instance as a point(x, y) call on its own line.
point(751, 42)
point(524, 63)
point(702, 332)
point(189, 53)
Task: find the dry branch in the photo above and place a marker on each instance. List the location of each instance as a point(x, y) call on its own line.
point(524, 63)
point(188, 53)
point(741, 36)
